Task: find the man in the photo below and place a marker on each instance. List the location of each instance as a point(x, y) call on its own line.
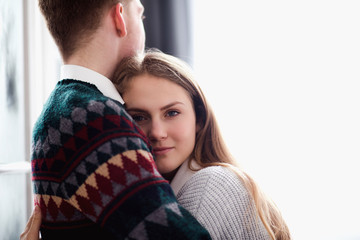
point(94, 175)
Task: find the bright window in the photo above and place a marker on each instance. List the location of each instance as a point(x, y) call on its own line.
point(284, 80)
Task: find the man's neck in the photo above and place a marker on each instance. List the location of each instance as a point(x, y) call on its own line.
point(97, 61)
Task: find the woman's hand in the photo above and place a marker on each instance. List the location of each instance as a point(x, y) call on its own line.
point(32, 228)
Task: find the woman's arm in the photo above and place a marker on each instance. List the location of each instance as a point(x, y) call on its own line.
point(32, 228)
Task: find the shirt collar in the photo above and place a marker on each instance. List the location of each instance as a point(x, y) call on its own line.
point(104, 84)
point(183, 175)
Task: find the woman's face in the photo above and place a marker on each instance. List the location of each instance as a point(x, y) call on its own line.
point(165, 113)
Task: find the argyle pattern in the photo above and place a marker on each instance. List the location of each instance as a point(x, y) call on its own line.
point(94, 175)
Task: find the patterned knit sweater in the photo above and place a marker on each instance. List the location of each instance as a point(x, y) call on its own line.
point(220, 202)
point(94, 176)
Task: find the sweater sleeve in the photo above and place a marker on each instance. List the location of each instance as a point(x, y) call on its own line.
point(220, 202)
point(94, 177)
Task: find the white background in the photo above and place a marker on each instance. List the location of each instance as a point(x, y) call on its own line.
point(284, 80)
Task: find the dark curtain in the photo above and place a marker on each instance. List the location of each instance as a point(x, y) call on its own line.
point(168, 27)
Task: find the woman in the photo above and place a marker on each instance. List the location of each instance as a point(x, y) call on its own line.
point(162, 97)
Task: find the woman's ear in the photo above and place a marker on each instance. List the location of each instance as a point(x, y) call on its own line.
point(119, 20)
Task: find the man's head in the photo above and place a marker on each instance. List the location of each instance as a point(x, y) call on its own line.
point(73, 23)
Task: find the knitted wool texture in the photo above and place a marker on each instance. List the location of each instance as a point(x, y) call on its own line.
point(94, 176)
point(220, 202)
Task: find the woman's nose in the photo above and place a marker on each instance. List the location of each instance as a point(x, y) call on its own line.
point(157, 131)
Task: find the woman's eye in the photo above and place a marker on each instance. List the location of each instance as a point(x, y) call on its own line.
point(138, 118)
point(172, 113)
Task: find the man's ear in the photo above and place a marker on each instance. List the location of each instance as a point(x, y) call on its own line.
point(119, 20)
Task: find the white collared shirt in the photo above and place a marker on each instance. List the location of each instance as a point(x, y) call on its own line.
point(84, 74)
point(183, 175)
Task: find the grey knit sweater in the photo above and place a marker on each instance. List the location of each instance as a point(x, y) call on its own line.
point(219, 201)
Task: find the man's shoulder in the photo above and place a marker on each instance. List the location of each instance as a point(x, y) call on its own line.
point(79, 102)
point(69, 93)
point(74, 126)
point(77, 109)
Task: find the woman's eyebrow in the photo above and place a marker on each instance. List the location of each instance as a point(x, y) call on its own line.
point(171, 105)
point(135, 110)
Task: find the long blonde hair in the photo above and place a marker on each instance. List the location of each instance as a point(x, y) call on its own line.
point(210, 148)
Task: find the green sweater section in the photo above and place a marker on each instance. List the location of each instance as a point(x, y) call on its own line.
point(94, 175)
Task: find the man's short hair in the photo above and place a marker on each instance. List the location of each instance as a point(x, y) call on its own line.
point(72, 22)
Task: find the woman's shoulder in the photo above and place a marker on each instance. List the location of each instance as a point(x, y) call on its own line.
point(218, 182)
point(219, 200)
point(220, 178)
point(221, 171)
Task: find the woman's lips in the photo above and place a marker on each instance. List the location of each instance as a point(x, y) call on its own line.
point(162, 150)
